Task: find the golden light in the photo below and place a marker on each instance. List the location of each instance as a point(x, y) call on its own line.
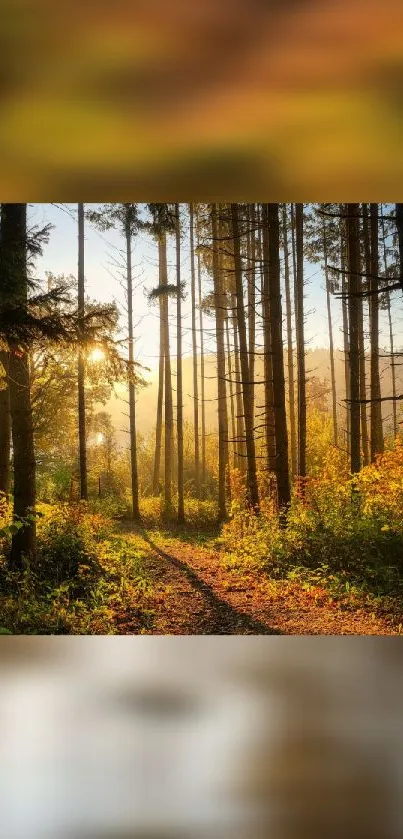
point(97, 355)
point(100, 438)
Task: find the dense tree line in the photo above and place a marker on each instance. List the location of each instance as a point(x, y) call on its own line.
point(247, 270)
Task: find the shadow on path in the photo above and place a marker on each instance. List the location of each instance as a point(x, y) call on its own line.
point(222, 618)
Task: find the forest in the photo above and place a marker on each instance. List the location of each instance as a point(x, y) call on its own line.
point(205, 436)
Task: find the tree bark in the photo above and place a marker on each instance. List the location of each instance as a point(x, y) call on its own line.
point(231, 394)
point(132, 387)
point(181, 502)
point(290, 355)
point(158, 428)
point(194, 354)
point(346, 347)
point(353, 310)
point(82, 432)
point(300, 339)
point(276, 322)
point(14, 288)
point(331, 345)
point(219, 305)
point(391, 338)
point(167, 387)
point(202, 383)
point(247, 392)
point(377, 445)
point(5, 427)
point(269, 423)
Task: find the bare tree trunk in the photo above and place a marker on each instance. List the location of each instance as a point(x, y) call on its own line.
point(346, 347)
point(219, 304)
point(240, 427)
point(14, 286)
point(290, 356)
point(276, 323)
point(194, 350)
point(168, 387)
point(132, 387)
point(202, 396)
point(5, 427)
point(243, 353)
point(391, 338)
point(399, 227)
point(252, 299)
point(181, 502)
point(158, 429)
point(377, 444)
point(331, 345)
point(82, 433)
point(353, 289)
point(300, 339)
point(231, 394)
point(269, 422)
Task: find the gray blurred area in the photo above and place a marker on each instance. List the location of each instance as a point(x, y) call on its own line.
point(157, 737)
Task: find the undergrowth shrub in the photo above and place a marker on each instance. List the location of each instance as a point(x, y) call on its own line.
point(345, 532)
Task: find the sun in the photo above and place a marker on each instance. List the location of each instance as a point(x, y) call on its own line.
point(97, 354)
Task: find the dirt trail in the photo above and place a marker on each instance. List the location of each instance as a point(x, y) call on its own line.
point(197, 595)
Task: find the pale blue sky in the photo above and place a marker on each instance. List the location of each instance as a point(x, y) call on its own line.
point(103, 252)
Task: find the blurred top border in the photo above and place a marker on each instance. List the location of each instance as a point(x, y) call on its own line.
point(299, 100)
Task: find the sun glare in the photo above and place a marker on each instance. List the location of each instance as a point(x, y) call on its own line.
point(97, 354)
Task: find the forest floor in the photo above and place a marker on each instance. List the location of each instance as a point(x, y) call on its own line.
point(193, 592)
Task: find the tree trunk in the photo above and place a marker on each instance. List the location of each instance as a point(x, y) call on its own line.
point(132, 387)
point(194, 352)
point(300, 340)
point(181, 502)
point(247, 391)
point(290, 355)
point(240, 428)
point(331, 346)
point(276, 323)
point(82, 433)
point(376, 406)
point(353, 308)
point(252, 299)
point(231, 393)
point(269, 423)
point(15, 288)
point(399, 226)
point(158, 428)
point(168, 387)
point(346, 346)
point(202, 399)
point(5, 426)
point(219, 304)
point(391, 339)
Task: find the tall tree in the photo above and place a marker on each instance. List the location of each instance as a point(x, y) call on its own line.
point(181, 503)
point(352, 211)
point(219, 306)
point(252, 298)
point(82, 434)
point(5, 423)
point(391, 337)
point(276, 321)
point(290, 354)
point(194, 354)
point(160, 398)
point(269, 422)
point(331, 344)
point(300, 339)
point(202, 382)
point(168, 413)
point(14, 290)
point(346, 340)
point(376, 409)
point(130, 219)
point(247, 390)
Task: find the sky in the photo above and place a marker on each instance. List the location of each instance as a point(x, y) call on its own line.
point(104, 258)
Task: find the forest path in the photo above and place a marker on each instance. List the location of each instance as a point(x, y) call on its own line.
point(194, 593)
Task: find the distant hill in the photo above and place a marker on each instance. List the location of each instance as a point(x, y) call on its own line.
point(317, 365)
